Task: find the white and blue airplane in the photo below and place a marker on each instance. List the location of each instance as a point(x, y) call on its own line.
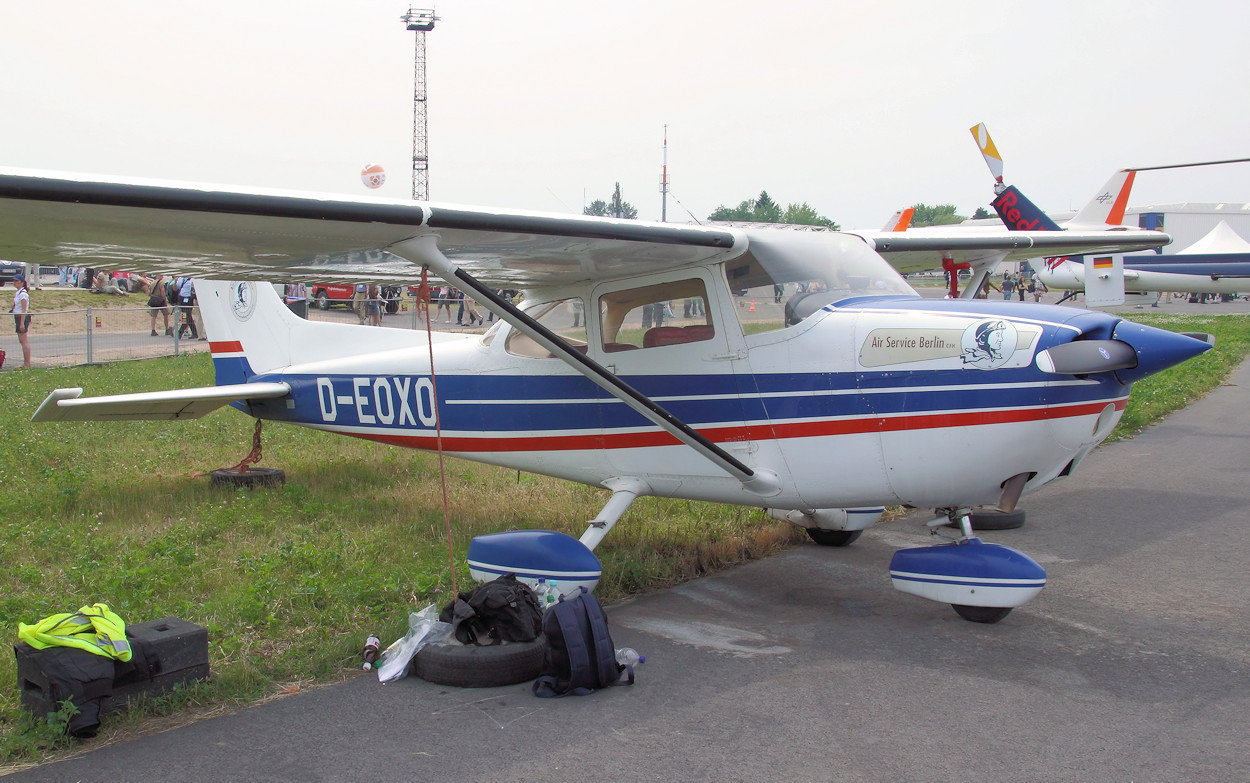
point(865, 395)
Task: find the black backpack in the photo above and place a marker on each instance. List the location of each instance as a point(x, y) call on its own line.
point(502, 610)
point(580, 656)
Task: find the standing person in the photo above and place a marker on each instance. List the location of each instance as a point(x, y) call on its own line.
point(373, 305)
point(186, 300)
point(21, 315)
point(359, 295)
point(1037, 287)
point(158, 304)
point(475, 318)
point(443, 293)
point(296, 297)
point(1009, 285)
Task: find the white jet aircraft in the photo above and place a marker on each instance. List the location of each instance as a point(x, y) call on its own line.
point(864, 396)
point(1219, 263)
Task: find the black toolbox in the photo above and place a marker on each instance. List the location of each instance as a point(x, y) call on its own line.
point(175, 652)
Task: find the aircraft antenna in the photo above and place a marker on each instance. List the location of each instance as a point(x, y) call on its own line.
point(420, 21)
point(1190, 165)
point(664, 180)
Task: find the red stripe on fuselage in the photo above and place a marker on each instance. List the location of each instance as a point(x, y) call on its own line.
point(763, 431)
point(233, 346)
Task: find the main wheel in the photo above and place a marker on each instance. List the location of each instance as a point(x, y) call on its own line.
point(993, 519)
point(996, 520)
point(982, 614)
point(322, 300)
point(832, 537)
point(470, 666)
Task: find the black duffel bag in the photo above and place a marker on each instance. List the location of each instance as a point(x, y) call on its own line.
point(502, 610)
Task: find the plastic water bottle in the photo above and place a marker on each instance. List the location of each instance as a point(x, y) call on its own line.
point(552, 595)
point(372, 645)
point(540, 591)
point(628, 656)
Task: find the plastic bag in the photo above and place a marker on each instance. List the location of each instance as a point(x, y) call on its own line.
point(423, 628)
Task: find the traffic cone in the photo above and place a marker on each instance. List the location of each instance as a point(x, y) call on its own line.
point(752, 309)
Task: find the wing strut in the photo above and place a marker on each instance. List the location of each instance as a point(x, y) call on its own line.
point(424, 250)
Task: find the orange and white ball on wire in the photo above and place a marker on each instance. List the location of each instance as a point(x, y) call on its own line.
point(373, 175)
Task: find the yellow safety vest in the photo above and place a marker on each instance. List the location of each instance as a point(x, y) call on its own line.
point(96, 629)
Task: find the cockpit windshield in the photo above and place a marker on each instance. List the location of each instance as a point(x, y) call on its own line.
point(810, 269)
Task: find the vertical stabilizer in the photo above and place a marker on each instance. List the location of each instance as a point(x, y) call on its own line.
point(250, 332)
point(1107, 206)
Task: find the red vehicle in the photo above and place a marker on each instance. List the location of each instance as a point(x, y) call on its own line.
point(324, 295)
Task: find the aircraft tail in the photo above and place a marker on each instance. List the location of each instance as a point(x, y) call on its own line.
point(900, 221)
point(1107, 207)
point(252, 332)
point(1020, 214)
point(1016, 211)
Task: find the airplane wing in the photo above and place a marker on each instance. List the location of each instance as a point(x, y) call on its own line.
point(182, 229)
point(64, 405)
point(215, 232)
point(924, 248)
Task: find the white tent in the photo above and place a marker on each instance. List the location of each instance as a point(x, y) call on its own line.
point(1221, 239)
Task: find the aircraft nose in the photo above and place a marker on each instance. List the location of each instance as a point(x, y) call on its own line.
point(1156, 349)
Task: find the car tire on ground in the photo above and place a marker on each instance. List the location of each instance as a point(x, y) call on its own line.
point(253, 477)
point(470, 666)
point(322, 300)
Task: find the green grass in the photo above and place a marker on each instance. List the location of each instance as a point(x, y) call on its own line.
point(290, 581)
point(1158, 395)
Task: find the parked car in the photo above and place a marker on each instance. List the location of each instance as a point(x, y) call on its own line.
point(324, 295)
point(8, 269)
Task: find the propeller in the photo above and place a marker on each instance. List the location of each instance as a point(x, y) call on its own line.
point(990, 153)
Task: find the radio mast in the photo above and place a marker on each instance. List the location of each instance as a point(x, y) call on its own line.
point(664, 181)
point(420, 21)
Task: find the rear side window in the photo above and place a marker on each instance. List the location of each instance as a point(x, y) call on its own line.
point(655, 316)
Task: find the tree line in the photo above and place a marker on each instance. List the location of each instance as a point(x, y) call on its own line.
point(763, 209)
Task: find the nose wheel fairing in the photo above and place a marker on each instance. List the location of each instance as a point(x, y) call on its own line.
point(968, 572)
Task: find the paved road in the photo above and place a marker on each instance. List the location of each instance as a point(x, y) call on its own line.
point(1132, 665)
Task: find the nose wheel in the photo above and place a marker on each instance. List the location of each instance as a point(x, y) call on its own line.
point(981, 614)
point(982, 582)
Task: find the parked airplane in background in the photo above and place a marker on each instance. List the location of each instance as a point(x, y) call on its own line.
point(868, 396)
point(1219, 263)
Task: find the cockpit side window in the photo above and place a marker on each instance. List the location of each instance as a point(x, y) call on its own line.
point(565, 317)
point(655, 316)
point(787, 276)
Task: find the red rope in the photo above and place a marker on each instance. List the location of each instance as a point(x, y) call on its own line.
point(253, 456)
point(423, 307)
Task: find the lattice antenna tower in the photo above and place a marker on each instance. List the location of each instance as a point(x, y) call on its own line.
point(420, 21)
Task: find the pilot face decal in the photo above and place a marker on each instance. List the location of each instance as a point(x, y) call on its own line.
point(988, 344)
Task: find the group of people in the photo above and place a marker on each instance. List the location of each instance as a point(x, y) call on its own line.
point(1019, 284)
point(164, 296)
point(444, 297)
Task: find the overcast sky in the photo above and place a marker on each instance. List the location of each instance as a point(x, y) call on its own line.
point(545, 105)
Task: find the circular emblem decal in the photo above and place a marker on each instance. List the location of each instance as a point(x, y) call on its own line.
point(243, 300)
point(988, 344)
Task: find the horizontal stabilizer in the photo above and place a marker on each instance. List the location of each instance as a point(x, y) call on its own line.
point(1086, 357)
point(65, 405)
